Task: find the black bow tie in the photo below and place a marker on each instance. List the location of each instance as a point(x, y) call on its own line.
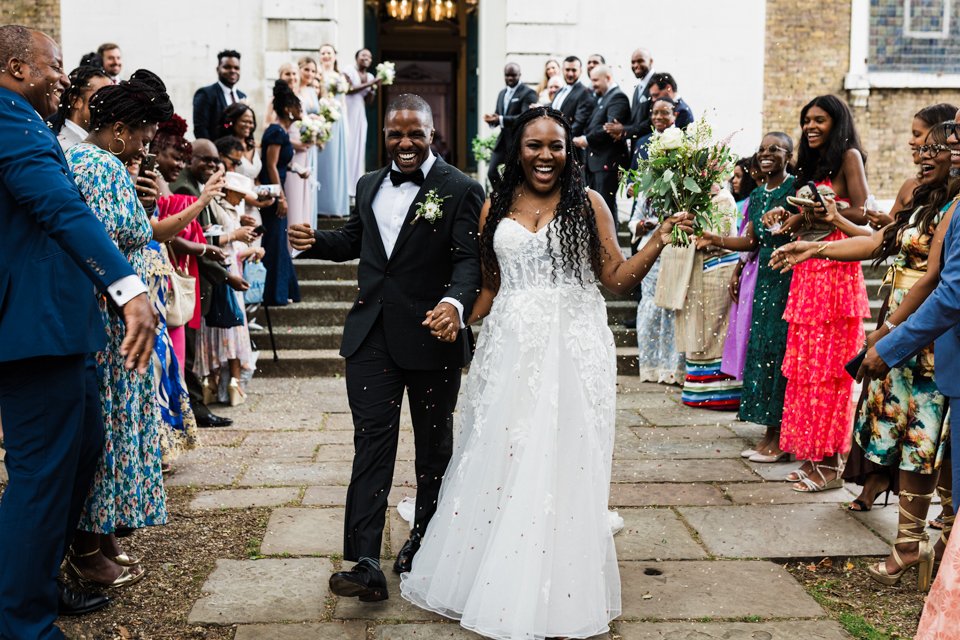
point(399, 177)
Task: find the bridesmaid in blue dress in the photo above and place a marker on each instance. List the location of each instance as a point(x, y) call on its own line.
point(281, 284)
point(332, 172)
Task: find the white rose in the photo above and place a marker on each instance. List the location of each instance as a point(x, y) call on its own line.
point(671, 138)
point(430, 216)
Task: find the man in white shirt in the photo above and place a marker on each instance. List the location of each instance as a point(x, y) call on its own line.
point(419, 276)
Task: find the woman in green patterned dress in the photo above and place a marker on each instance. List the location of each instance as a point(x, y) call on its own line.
point(761, 400)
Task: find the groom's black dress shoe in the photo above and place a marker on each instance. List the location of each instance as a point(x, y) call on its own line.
point(78, 603)
point(405, 557)
point(364, 581)
point(211, 420)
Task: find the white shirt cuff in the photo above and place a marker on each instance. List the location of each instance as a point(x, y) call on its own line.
point(459, 307)
point(126, 289)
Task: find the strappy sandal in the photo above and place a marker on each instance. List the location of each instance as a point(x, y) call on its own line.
point(797, 475)
point(809, 486)
point(125, 579)
point(913, 531)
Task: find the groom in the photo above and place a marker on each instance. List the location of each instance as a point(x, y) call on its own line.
point(419, 277)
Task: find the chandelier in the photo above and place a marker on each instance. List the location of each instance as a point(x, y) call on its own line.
point(423, 10)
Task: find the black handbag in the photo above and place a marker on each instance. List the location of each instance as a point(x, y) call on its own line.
point(225, 310)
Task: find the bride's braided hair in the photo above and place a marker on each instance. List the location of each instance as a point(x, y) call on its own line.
point(575, 226)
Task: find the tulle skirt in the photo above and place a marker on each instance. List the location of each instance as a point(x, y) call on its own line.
point(520, 547)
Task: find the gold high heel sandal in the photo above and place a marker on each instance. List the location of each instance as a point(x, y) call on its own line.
point(912, 531)
point(125, 579)
point(209, 391)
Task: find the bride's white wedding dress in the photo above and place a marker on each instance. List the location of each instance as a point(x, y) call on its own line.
point(520, 547)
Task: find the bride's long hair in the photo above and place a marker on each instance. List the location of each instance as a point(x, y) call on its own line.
point(574, 226)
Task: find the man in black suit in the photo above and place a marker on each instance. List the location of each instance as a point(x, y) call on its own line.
point(574, 100)
point(210, 101)
point(641, 63)
point(418, 278)
point(605, 153)
point(513, 100)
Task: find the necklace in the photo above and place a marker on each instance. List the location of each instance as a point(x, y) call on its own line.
point(516, 211)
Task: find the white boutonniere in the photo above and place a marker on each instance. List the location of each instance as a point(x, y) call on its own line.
point(431, 209)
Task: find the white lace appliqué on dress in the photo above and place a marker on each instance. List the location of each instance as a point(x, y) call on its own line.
point(520, 547)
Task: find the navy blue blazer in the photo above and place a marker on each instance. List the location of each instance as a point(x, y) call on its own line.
point(208, 105)
point(937, 320)
point(53, 249)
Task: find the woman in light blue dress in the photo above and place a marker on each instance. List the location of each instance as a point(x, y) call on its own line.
point(332, 173)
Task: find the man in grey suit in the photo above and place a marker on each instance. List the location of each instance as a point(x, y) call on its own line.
point(514, 99)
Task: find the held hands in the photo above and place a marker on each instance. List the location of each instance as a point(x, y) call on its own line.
point(148, 190)
point(790, 255)
point(301, 236)
point(580, 142)
point(707, 239)
point(140, 320)
point(492, 119)
point(614, 129)
point(443, 322)
point(872, 366)
point(213, 188)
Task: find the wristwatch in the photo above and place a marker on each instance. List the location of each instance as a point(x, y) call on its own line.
point(889, 325)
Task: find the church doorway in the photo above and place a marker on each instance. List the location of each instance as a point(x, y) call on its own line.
point(433, 44)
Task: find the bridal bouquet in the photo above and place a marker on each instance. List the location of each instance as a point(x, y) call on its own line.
point(386, 72)
point(314, 129)
point(483, 147)
point(681, 169)
point(335, 84)
point(330, 110)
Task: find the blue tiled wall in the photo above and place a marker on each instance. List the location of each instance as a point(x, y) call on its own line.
point(892, 50)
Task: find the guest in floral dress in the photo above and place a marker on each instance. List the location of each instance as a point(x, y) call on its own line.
point(761, 399)
point(128, 486)
point(901, 423)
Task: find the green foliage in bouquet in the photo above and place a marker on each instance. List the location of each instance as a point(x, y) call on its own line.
point(483, 147)
point(679, 173)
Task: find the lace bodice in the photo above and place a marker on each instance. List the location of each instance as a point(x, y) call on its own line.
point(526, 259)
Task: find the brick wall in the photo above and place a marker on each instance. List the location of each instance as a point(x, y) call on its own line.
point(39, 14)
point(807, 54)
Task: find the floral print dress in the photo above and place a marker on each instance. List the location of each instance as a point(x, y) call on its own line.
point(902, 418)
point(127, 489)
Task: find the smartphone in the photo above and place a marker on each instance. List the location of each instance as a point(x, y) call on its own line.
point(258, 230)
point(853, 366)
point(149, 163)
point(816, 194)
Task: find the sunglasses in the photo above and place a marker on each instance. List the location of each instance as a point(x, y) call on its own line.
point(771, 149)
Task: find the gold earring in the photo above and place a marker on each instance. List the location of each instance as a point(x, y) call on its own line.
point(123, 146)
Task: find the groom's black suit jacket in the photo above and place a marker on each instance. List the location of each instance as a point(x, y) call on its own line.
point(429, 261)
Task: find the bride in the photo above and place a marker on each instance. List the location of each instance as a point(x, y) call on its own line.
point(520, 546)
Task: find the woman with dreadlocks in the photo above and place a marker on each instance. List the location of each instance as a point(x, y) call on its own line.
point(72, 118)
point(127, 489)
point(520, 546)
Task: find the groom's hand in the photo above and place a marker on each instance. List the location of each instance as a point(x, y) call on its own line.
point(444, 322)
point(301, 236)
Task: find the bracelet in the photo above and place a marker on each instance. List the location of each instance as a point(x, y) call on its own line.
point(889, 325)
point(204, 252)
point(821, 249)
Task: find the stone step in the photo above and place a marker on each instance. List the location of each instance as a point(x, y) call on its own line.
point(299, 363)
point(326, 270)
point(346, 291)
point(313, 338)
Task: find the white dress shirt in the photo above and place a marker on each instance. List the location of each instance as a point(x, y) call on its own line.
point(562, 95)
point(507, 97)
point(227, 93)
point(644, 81)
point(71, 134)
point(390, 207)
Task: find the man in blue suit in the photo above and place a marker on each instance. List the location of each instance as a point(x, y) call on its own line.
point(936, 321)
point(210, 101)
point(53, 252)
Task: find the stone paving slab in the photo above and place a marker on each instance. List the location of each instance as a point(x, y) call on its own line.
point(681, 471)
point(325, 497)
point(335, 452)
point(272, 473)
point(245, 498)
point(311, 631)
point(720, 589)
point(272, 445)
point(781, 493)
point(662, 398)
point(663, 443)
point(681, 415)
point(205, 467)
point(271, 412)
point(786, 630)
point(395, 608)
point(750, 431)
point(222, 437)
point(781, 531)
point(883, 520)
point(655, 534)
point(774, 471)
point(268, 590)
point(450, 631)
point(304, 532)
point(331, 436)
point(665, 494)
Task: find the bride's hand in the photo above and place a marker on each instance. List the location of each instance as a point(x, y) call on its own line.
point(682, 220)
